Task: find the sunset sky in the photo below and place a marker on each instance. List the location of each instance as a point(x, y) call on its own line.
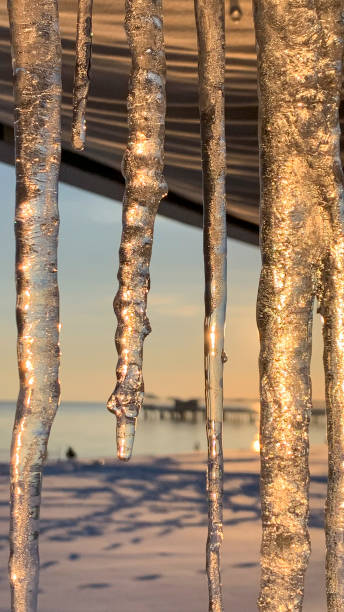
point(173, 353)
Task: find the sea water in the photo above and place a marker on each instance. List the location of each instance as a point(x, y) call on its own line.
point(90, 430)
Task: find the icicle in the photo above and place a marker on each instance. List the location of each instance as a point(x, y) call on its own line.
point(211, 44)
point(81, 75)
point(289, 224)
point(36, 51)
point(332, 308)
point(301, 177)
point(145, 186)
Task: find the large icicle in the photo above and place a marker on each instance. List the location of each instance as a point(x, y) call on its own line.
point(211, 66)
point(36, 50)
point(300, 189)
point(331, 298)
point(81, 74)
point(145, 186)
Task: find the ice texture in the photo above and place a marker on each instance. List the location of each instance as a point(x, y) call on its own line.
point(81, 73)
point(144, 187)
point(300, 48)
point(211, 69)
point(36, 52)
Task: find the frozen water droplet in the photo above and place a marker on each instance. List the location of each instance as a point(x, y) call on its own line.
point(235, 13)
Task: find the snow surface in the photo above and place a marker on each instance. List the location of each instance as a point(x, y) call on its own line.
point(131, 537)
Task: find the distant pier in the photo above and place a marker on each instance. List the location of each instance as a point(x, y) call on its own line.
point(193, 411)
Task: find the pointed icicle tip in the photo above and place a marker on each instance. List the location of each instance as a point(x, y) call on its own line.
point(224, 357)
point(125, 435)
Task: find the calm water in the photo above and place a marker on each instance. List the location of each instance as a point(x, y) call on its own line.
point(89, 429)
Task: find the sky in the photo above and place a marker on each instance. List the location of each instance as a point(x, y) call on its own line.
point(173, 353)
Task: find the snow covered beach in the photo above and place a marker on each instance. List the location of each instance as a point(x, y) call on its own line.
point(132, 536)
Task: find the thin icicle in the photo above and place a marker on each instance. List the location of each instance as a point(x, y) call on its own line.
point(36, 51)
point(332, 293)
point(211, 67)
point(81, 75)
point(301, 178)
point(145, 186)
